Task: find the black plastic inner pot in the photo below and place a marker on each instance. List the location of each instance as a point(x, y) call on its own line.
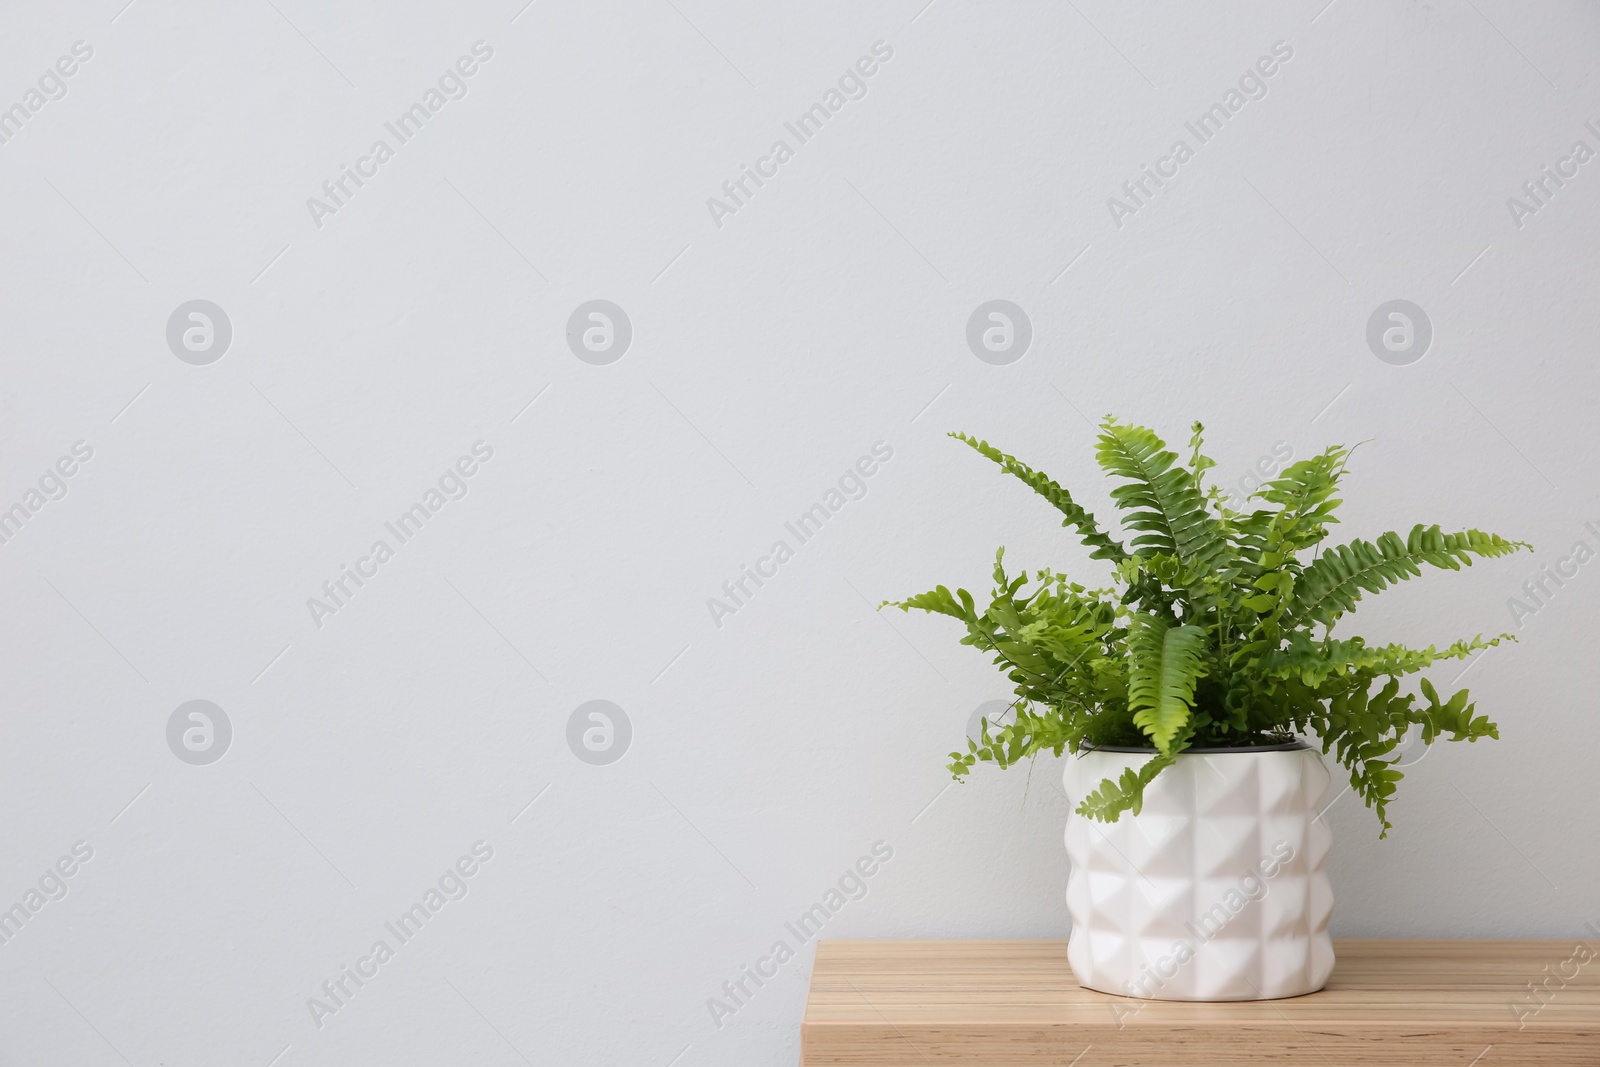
point(1285, 746)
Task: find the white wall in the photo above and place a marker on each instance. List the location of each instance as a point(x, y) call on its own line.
point(768, 353)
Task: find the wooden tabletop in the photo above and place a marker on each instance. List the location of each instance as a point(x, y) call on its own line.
point(1390, 1003)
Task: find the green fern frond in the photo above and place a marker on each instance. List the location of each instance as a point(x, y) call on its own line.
point(1307, 483)
point(1048, 640)
point(1313, 662)
point(1112, 798)
point(1266, 541)
point(1362, 728)
point(1199, 462)
point(1164, 664)
point(1305, 500)
point(1332, 585)
point(938, 601)
point(1076, 517)
point(1160, 499)
point(1454, 718)
point(1029, 734)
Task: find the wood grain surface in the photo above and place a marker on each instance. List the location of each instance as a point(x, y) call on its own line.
point(1390, 1003)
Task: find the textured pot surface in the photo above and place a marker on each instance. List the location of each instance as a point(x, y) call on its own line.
point(1216, 890)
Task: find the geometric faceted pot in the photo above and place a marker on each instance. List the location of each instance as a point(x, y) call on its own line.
point(1216, 890)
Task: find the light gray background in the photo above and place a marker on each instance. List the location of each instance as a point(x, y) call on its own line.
point(768, 354)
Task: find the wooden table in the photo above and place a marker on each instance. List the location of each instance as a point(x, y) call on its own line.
point(1389, 1004)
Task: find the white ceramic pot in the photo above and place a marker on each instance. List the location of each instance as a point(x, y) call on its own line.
point(1216, 890)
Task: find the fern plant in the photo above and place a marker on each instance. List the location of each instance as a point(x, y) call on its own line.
point(1218, 630)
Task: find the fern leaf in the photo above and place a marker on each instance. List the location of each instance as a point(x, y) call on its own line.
point(1160, 499)
point(1332, 585)
point(1164, 664)
point(1199, 462)
point(1305, 489)
point(1076, 517)
point(1306, 504)
point(1112, 798)
point(1051, 641)
point(1361, 728)
point(1454, 718)
point(1314, 662)
point(1030, 734)
point(938, 601)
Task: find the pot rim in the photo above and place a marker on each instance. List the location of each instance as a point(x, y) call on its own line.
point(1285, 746)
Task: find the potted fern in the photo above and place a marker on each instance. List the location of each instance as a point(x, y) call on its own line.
point(1184, 693)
